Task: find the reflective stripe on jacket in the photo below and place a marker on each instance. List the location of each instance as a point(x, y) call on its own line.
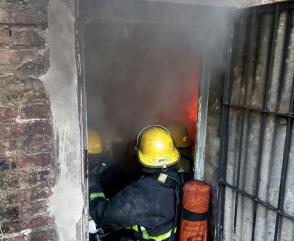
point(143, 233)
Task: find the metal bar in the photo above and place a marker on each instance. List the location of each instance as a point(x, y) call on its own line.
point(257, 200)
point(247, 66)
point(251, 109)
point(268, 8)
point(287, 139)
point(270, 65)
point(224, 136)
point(224, 139)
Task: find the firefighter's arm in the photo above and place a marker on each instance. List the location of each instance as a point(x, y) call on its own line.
point(97, 201)
point(122, 211)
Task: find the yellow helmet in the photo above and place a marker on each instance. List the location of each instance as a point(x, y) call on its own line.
point(95, 145)
point(155, 147)
point(180, 135)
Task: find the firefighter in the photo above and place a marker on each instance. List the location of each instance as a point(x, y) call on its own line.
point(148, 208)
point(183, 143)
point(96, 155)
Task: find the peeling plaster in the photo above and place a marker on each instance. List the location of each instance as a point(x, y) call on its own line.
point(66, 203)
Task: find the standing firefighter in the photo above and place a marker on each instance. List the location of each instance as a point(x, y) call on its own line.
point(147, 208)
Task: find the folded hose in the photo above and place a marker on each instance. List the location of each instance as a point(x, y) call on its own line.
point(194, 224)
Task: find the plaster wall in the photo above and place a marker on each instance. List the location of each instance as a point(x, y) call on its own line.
point(66, 203)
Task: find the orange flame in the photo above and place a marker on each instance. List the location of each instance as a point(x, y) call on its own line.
point(192, 109)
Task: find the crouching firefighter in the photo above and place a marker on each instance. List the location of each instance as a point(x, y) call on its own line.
point(148, 208)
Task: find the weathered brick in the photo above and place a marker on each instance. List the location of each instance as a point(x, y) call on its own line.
point(36, 144)
point(9, 180)
point(5, 36)
point(26, 195)
point(7, 163)
point(26, 146)
point(8, 213)
point(35, 111)
point(34, 68)
point(12, 82)
point(26, 139)
point(2, 147)
point(27, 97)
point(20, 130)
point(37, 222)
point(23, 11)
point(23, 223)
point(8, 113)
point(39, 206)
point(11, 226)
point(45, 177)
point(5, 98)
point(27, 36)
point(14, 37)
point(48, 235)
point(40, 194)
point(18, 238)
point(41, 160)
point(13, 57)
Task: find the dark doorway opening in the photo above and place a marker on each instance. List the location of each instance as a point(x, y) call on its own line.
point(142, 63)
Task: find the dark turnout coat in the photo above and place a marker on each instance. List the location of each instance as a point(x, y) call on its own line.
point(147, 202)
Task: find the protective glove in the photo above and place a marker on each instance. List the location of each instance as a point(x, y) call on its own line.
point(92, 226)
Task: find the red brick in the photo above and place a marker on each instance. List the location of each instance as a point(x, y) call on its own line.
point(20, 130)
point(27, 37)
point(48, 235)
point(26, 145)
point(13, 83)
point(40, 177)
point(9, 180)
point(40, 194)
point(27, 12)
point(37, 207)
point(8, 113)
point(7, 163)
point(9, 213)
point(11, 56)
point(38, 222)
point(5, 35)
point(21, 36)
point(19, 238)
point(25, 196)
point(32, 111)
point(42, 160)
point(5, 98)
point(11, 226)
point(28, 96)
point(36, 144)
point(36, 68)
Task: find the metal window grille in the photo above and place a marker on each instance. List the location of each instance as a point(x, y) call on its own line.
point(256, 167)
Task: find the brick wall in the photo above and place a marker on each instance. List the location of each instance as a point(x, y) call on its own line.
point(27, 169)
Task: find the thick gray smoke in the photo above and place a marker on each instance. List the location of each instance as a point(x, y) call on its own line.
point(143, 63)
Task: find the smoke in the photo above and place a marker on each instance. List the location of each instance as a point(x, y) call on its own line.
point(143, 63)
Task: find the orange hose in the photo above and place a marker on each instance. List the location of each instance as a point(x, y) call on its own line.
point(196, 203)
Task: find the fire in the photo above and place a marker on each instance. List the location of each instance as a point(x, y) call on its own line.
point(192, 109)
